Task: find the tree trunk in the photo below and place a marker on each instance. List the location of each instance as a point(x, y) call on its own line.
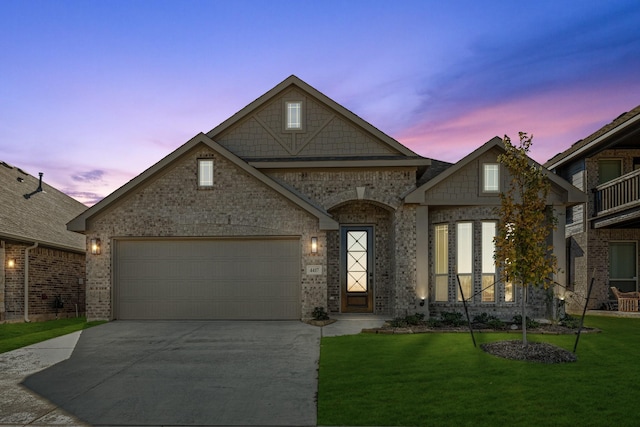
point(524, 315)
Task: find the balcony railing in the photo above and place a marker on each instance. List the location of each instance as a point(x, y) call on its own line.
point(618, 194)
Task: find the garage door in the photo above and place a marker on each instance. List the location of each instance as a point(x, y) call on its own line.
point(207, 279)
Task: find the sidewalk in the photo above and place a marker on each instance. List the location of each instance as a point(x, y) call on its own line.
point(20, 407)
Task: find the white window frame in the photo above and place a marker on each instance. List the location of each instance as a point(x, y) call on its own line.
point(441, 263)
point(490, 178)
point(205, 173)
point(465, 277)
point(488, 262)
point(293, 115)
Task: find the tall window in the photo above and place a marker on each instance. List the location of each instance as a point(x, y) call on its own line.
point(464, 238)
point(205, 172)
point(609, 169)
point(488, 264)
point(442, 262)
point(294, 115)
point(491, 178)
point(622, 266)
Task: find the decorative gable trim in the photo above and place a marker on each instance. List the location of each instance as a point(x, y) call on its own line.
point(251, 109)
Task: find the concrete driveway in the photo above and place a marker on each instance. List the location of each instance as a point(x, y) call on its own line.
point(188, 373)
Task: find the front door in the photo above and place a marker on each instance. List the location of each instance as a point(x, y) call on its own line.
point(356, 246)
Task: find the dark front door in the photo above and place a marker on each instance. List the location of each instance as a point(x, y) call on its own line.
point(356, 246)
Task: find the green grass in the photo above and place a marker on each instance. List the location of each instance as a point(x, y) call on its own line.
point(17, 335)
point(442, 380)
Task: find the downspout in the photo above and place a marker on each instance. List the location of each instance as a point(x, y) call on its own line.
point(26, 281)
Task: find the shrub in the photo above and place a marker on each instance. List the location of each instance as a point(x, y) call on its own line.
point(398, 322)
point(452, 318)
point(319, 314)
point(517, 319)
point(434, 323)
point(570, 322)
point(495, 323)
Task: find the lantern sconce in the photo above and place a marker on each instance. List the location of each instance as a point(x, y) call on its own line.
point(95, 246)
point(11, 263)
point(314, 245)
point(422, 302)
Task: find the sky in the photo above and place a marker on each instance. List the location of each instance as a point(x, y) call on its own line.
point(93, 92)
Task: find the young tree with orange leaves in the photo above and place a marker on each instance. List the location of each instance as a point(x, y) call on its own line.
point(523, 255)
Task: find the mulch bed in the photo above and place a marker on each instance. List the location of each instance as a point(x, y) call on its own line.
point(510, 349)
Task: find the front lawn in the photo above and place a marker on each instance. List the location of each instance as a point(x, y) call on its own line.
point(440, 379)
point(17, 335)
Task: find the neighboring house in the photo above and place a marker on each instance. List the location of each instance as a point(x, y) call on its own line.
point(603, 233)
point(40, 257)
point(295, 203)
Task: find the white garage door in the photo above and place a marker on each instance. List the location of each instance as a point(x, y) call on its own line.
point(207, 279)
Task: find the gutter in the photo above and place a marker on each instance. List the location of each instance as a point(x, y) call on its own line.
point(26, 281)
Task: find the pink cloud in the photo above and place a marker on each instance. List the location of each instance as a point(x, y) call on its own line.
point(556, 120)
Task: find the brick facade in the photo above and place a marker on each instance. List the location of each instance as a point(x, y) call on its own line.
point(588, 248)
point(52, 273)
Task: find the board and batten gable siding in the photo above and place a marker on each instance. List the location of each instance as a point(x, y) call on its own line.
point(325, 133)
point(465, 186)
point(171, 205)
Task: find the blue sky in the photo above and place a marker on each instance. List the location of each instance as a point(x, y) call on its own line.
point(94, 92)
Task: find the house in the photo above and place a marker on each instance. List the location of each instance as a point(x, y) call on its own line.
point(603, 233)
point(40, 258)
point(294, 203)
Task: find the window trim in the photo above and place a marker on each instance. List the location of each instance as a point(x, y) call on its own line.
point(485, 258)
point(301, 117)
point(472, 260)
point(209, 183)
point(437, 261)
point(483, 179)
point(619, 160)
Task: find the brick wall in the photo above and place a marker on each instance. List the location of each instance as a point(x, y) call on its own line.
point(52, 272)
point(172, 205)
point(537, 306)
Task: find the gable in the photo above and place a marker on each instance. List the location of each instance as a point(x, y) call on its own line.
point(176, 188)
point(328, 130)
point(464, 187)
point(461, 184)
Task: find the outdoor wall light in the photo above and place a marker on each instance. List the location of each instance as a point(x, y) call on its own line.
point(422, 302)
point(314, 245)
point(95, 246)
point(11, 263)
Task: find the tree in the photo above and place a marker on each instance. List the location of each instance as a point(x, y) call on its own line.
point(523, 255)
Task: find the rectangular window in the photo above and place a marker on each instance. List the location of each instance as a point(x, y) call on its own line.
point(622, 266)
point(488, 264)
point(508, 292)
point(464, 251)
point(294, 115)
point(491, 178)
point(609, 169)
point(205, 173)
point(442, 262)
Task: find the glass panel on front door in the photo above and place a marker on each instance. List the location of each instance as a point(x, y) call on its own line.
point(357, 261)
point(356, 265)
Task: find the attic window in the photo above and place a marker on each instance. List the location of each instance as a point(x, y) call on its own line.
point(293, 111)
point(490, 177)
point(205, 173)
